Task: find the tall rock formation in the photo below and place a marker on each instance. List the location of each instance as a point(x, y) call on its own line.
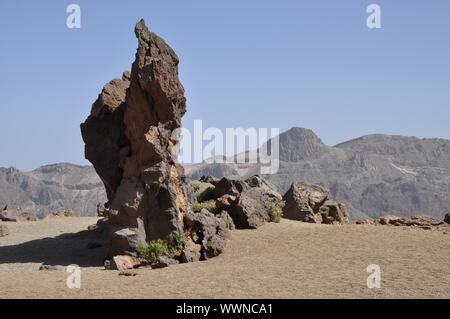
point(128, 138)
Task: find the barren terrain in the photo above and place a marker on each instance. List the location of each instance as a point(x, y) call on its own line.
point(286, 260)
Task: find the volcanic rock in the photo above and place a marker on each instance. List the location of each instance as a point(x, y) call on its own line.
point(311, 203)
point(210, 232)
point(130, 137)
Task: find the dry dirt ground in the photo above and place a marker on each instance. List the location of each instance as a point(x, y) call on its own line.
point(286, 260)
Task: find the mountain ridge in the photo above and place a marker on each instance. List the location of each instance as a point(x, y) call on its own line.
point(373, 174)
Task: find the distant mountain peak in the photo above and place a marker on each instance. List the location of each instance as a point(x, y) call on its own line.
point(298, 144)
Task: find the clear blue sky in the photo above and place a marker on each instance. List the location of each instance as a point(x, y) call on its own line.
point(259, 63)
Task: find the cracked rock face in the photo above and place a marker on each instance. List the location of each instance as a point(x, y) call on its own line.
point(129, 140)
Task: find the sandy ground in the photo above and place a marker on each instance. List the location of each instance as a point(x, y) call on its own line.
point(286, 260)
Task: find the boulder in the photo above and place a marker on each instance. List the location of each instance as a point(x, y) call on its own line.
point(209, 232)
point(131, 138)
point(4, 231)
point(311, 203)
point(334, 212)
point(246, 201)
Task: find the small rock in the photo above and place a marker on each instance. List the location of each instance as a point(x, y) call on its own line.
point(127, 273)
point(363, 222)
point(123, 262)
point(163, 262)
point(52, 268)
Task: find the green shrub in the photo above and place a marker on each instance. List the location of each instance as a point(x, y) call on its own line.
point(175, 242)
point(209, 205)
point(153, 250)
point(274, 212)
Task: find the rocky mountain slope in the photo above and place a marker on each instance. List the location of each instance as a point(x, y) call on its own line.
point(374, 175)
point(51, 188)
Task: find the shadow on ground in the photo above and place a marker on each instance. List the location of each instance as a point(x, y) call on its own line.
point(65, 249)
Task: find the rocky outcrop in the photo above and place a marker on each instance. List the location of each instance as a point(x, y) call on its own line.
point(373, 175)
point(311, 203)
point(52, 188)
point(418, 221)
point(15, 214)
point(246, 201)
point(209, 235)
point(130, 139)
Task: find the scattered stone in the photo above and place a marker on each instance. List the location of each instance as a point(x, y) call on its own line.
point(65, 213)
point(52, 268)
point(127, 273)
point(363, 222)
point(447, 218)
point(310, 203)
point(163, 261)
point(246, 201)
point(4, 231)
point(123, 262)
point(191, 251)
point(418, 221)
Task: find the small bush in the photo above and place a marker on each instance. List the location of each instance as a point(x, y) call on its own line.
point(274, 212)
point(195, 187)
point(209, 205)
point(153, 250)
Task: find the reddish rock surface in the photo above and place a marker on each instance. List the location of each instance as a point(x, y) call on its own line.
point(129, 140)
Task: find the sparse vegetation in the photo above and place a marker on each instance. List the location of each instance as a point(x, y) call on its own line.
point(195, 187)
point(274, 212)
point(207, 194)
point(158, 247)
point(153, 249)
point(209, 205)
